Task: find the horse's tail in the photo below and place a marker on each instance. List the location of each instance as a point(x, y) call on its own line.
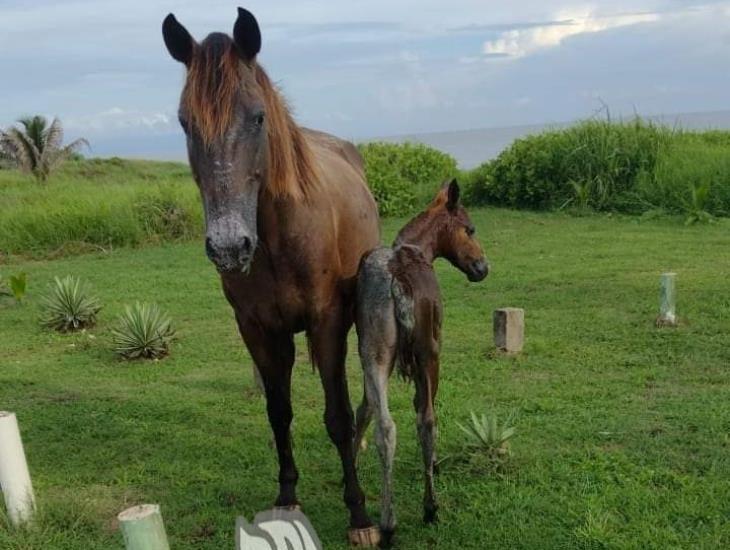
point(405, 321)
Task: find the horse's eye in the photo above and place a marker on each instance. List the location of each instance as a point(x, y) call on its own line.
point(259, 120)
point(470, 230)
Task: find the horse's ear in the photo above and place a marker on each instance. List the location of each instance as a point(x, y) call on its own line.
point(178, 40)
point(453, 194)
point(247, 35)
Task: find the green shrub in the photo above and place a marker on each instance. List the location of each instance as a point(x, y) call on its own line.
point(144, 332)
point(69, 306)
point(692, 176)
point(593, 164)
point(15, 286)
point(630, 167)
point(404, 177)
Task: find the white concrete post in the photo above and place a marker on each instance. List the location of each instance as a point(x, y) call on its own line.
point(14, 477)
point(667, 300)
point(142, 528)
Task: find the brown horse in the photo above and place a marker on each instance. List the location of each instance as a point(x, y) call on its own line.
point(288, 216)
point(399, 322)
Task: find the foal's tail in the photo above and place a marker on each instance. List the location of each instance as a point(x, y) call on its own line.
point(405, 321)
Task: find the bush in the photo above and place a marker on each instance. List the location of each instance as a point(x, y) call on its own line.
point(69, 306)
point(404, 177)
point(631, 167)
point(144, 332)
point(593, 164)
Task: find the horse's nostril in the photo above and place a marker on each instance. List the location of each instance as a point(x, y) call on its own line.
point(246, 246)
point(209, 250)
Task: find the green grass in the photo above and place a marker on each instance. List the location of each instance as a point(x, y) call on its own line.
point(623, 436)
point(97, 204)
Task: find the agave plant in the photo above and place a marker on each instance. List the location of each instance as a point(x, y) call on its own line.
point(69, 305)
point(37, 147)
point(144, 332)
point(487, 435)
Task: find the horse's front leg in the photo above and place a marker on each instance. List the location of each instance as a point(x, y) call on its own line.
point(328, 340)
point(426, 386)
point(274, 358)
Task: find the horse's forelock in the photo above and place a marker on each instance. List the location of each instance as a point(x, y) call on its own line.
point(215, 78)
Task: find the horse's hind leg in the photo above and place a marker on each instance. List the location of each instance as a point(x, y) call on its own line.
point(363, 417)
point(376, 389)
point(426, 386)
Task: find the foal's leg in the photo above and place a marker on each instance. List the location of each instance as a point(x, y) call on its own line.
point(426, 387)
point(376, 388)
point(328, 339)
point(274, 358)
point(363, 417)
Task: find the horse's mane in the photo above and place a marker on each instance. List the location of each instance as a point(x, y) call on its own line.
point(215, 81)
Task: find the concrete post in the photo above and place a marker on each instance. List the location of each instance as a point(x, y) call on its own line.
point(667, 300)
point(14, 476)
point(143, 528)
point(509, 329)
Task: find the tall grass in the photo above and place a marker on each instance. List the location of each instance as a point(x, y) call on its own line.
point(98, 204)
point(631, 167)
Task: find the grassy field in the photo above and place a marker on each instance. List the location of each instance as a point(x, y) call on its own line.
point(97, 204)
point(623, 435)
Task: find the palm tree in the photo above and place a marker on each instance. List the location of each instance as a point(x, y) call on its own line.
point(38, 148)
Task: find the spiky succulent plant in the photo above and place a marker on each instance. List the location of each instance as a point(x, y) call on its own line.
point(144, 332)
point(69, 305)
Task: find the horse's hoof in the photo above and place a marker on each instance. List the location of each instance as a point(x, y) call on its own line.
point(430, 514)
point(369, 537)
point(386, 537)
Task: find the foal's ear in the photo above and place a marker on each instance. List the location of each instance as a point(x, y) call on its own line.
point(178, 40)
point(453, 193)
point(247, 35)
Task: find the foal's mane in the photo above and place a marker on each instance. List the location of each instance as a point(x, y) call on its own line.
point(216, 79)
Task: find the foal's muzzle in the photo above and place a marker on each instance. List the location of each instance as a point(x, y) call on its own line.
point(477, 270)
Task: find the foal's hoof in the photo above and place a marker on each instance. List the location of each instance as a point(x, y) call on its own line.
point(430, 514)
point(386, 537)
point(369, 537)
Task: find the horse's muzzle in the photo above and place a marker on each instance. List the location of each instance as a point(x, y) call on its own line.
point(230, 258)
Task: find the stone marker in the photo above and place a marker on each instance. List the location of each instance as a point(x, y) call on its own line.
point(14, 476)
point(509, 329)
point(667, 301)
point(142, 528)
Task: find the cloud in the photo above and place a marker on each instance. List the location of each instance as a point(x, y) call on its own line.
point(520, 42)
point(119, 119)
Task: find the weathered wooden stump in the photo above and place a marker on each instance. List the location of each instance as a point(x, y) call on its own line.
point(142, 528)
point(509, 329)
point(14, 476)
point(667, 301)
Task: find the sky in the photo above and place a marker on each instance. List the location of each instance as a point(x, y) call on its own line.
point(362, 69)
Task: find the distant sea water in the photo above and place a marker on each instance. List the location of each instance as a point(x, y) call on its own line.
point(473, 147)
point(469, 147)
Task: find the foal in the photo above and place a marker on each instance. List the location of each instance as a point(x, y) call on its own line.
point(398, 321)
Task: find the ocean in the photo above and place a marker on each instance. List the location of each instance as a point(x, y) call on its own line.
point(469, 147)
point(473, 147)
